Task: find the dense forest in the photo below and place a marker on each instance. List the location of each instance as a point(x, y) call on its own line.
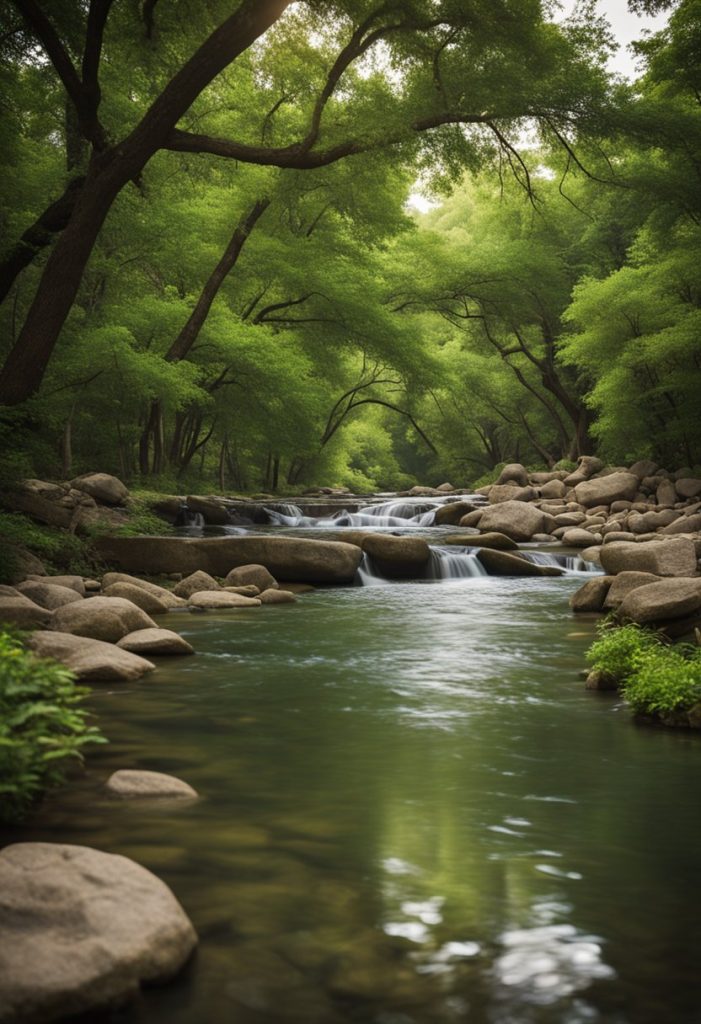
point(213, 274)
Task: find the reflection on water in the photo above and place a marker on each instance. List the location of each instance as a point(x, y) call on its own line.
point(411, 813)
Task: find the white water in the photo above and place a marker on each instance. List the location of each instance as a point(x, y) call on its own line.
point(406, 512)
point(454, 563)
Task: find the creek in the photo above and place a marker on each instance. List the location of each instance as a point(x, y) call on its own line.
point(411, 813)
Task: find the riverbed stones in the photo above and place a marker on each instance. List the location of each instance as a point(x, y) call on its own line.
point(553, 489)
point(211, 599)
point(72, 582)
point(517, 519)
point(149, 603)
point(661, 601)
point(514, 473)
point(452, 512)
point(165, 596)
point(101, 618)
point(90, 660)
point(214, 510)
point(674, 557)
point(81, 930)
point(148, 642)
point(605, 489)
point(688, 487)
point(503, 563)
point(106, 489)
point(510, 492)
point(22, 612)
point(397, 557)
point(683, 524)
point(48, 595)
point(587, 466)
point(136, 783)
point(273, 596)
point(293, 558)
point(575, 537)
point(194, 583)
point(498, 541)
point(624, 583)
point(591, 595)
point(251, 575)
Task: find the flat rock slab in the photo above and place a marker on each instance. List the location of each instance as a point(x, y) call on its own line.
point(81, 930)
point(273, 596)
point(134, 783)
point(674, 557)
point(222, 599)
point(293, 558)
point(498, 541)
point(660, 602)
point(91, 660)
point(502, 563)
point(155, 641)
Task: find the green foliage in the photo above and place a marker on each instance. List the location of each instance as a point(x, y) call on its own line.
point(58, 549)
point(655, 678)
point(42, 728)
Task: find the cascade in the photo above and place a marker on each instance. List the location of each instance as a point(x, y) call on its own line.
point(571, 563)
point(454, 563)
point(186, 517)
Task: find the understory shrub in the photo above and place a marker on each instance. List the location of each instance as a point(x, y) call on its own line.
point(59, 549)
point(656, 678)
point(42, 728)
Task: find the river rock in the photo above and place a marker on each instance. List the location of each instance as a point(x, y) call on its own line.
point(81, 930)
point(661, 601)
point(397, 557)
point(155, 641)
point(666, 493)
point(101, 618)
point(648, 522)
point(72, 582)
point(222, 599)
point(471, 519)
point(106, 489)
point(502, 563)
point(591, 596)
point(89, 659)
point(587, 466)
point(273, 596)
point(517, 519)
point(509, 492)
point(674, 557)
point(579, 538)
point(194, 583)
point(132, 782)
point(214, 511)
point(451, 513)
point(165, 596)
point(605, 489)
point(22, 612)
point(293, 558)
point(643, 468)
point(48, 595)
point(498, 541)
point(598, 679)
point(251, 575)
point(514, 473)
point(553, 489)
point(684, 524)
point(626, 582)
point(569, 519)
point(688, 487)
point(148, 603)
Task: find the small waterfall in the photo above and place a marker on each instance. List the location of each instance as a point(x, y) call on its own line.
point(571, 563)
point(454, 563)
point(185, 517)
point(368, 576)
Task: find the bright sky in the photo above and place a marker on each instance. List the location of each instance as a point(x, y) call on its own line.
point(626, 28)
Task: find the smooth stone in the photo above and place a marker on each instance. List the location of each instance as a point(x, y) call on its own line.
point(222, 599)
point(273, 596)
point(579, 538)
point(155, 641)
point(591, 595)
point(684, 524)
point(132, 782)
point(148, 603)
point(248, 591)
point(626, 582)
point(600, 680)
point(515, 473)
point(661, 601)
point(72, 582)
point(106, 489)
point(81, 930)
point(397, 557)
point(90, 660)
point(498, 541)
point(22, 612)
point(519, 520)
point(688, 487)
point(48, 595)
point(674, 557)
point(452, 512)
point(251, 575)
point(101, 618)
point(606, 489)
point(195, 582)
point(501, 563)
point(165, 596)
point(499, 493)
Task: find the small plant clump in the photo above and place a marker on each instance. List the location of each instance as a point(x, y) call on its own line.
point(655, 678)
point(41, 727)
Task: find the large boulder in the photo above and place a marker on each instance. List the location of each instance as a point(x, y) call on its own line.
point(91, 660)
point(76, 583)
point(575, 537)
point(101, 618)
point(517, 519)
point(148, 642)
point(452, 512)
point(626, 582)
point(514, 473)
point(605, 489)
point(149, 603)
point(674, 557)
point(659, 602)
point(510, 492)
point(643, 468)
point(48, 595)
point(166, 597)
point(81, 930)
point(134, 782)
point(286, 558)
point(591, 595)
point(553, 489)
point(503, 563)
point(106, 489)
point(684, 524)
point(22, 612)
point(250, 575)
point(194, 583)
point(498, 541)
point(688, 487)
point(587, 466)
point(210, 599)
point(398, 557)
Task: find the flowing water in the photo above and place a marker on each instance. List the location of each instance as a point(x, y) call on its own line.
point(411, 813)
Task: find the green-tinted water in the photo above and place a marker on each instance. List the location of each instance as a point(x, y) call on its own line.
point(411, 812)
